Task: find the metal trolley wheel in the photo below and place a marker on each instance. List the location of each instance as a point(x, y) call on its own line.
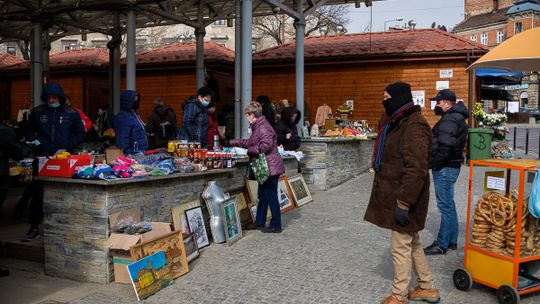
point(507, 295)
point(462, 279)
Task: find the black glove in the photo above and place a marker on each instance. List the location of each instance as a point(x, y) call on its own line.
point(402, 217)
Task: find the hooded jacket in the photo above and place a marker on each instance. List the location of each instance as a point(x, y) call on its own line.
point(129, 128)
point(263, 139)
point(285, 126)
point(194, 122)
point(54, 128)
point(449, 136)
point(160, 115)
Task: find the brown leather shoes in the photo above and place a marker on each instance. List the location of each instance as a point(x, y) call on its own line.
point(393, 300)
point(427, 295)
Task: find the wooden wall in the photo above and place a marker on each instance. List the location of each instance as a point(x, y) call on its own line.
point(362, 82)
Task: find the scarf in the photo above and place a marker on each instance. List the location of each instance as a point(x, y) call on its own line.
point(381, 138)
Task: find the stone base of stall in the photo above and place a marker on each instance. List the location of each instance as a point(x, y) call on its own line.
point(76, 214)
point(330, 162)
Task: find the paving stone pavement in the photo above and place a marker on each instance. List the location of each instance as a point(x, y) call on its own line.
point(326, 254)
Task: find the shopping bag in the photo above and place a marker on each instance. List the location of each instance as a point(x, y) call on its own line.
point(260, 168)
point(534, 199)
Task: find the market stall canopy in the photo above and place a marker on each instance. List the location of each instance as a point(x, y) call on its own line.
point(519, 53)
point(491, 93)
point(498, 77)
point(69, 17)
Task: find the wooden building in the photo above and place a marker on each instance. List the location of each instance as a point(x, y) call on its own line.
point(358, 67)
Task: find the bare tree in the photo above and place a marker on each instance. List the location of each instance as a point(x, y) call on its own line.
point(24, 47)
point(280, 27)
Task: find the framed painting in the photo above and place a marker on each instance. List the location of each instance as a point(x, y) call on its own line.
point(252, 191)
point(233, 226)
point(242, 205)
point(195, 219)
point(172, 245)
point(299, 190)
point(284, 195)
point(150, 275)
point(179, 216)
point(190, 245)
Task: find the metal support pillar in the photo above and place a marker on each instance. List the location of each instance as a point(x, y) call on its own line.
point(37, 63)
point(300, 25)
point(46, 51)
point(199, 65)
point(246, 73)
point(131, 50)
point(237, 70)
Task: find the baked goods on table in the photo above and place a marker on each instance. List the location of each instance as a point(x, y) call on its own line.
point(494, 225)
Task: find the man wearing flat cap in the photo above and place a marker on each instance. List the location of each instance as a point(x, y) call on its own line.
point(400, 194)
point(448, 141)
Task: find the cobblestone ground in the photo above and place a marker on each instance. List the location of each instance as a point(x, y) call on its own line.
point(326, 254)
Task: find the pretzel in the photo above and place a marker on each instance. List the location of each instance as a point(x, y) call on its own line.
point(498, 217)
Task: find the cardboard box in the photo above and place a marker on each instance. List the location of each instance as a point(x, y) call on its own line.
point(111, 153)
point(63, 167)
point(120, 244)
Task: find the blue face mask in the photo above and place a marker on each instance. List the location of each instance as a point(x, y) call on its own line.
point(205, 103)
point(53, 104)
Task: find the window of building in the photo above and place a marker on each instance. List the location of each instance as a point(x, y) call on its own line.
point(220, 22)
point(484, 39)
point(254, 47)
point(500, 36)
point(11, 50)
point(518, 27)
point(473, 37)
point(221, 40)
point(69, 44)
point(169, 40)
point(99, 44)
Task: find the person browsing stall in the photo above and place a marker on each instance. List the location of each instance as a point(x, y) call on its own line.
point(448, 142)
point(195, 117)
point(263, 139)
point(128, 126)
point(400, 193)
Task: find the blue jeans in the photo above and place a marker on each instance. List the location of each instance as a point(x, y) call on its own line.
point(268, 197)
point(444, 181)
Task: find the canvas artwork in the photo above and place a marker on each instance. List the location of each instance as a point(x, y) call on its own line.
point(190, 245)
point(196, 224)
point(179, 216)
point(243, 208)
point(284, 195)
point(299, 190)
point(252, 189)
point(172, 245)
point(150, 275)
point(233, 227)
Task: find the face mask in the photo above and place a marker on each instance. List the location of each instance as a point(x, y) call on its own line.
point(55, 104)
point(205, 103)
point(438, 110)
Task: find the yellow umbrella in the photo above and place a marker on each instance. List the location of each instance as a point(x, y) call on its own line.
point(520, 53)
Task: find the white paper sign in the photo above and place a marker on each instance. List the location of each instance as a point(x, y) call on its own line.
point(496, 183)
point(446, 73)
point(350, 103)
point(442, 84)
point(513, 106)
point(419, 98)
point(433, 104)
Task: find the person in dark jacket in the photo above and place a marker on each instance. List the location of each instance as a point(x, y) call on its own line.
point(267, 109)
point(10, 147)
point(195, 117)
point(448, 141)
point(128, 126)
point(263, 139)
point(212, 125)
point(227, 119)
point(286, 130)
point(400, 193)
point(51, 126)
point(161, 124)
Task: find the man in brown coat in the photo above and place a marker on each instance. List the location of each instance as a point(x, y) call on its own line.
point(400, 194)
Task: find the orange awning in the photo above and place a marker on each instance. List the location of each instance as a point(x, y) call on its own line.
point(519, 53)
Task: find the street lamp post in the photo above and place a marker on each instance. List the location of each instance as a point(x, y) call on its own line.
point(397, 19)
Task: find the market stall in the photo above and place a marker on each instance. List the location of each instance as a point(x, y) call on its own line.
point(77, 211)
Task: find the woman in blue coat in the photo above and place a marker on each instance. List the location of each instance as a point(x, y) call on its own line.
point(128, 126)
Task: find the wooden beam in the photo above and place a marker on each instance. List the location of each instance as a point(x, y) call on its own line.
point(287, 10)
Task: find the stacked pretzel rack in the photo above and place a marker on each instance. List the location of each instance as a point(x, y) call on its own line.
point(502, 247)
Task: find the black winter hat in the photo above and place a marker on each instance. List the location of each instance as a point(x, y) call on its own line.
point(400, 90)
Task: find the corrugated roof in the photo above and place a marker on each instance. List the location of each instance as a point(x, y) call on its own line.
point(186, 52)
point(522, 7)
point(81, 58)
point(397, 43)
point(7, 60)
point(482, 20)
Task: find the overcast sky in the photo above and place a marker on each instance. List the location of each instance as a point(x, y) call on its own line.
point(445, 12)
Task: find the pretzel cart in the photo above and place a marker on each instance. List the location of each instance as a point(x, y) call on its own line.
point(501, 243)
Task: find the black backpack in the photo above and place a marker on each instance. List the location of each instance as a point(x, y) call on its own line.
point(165, 128)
